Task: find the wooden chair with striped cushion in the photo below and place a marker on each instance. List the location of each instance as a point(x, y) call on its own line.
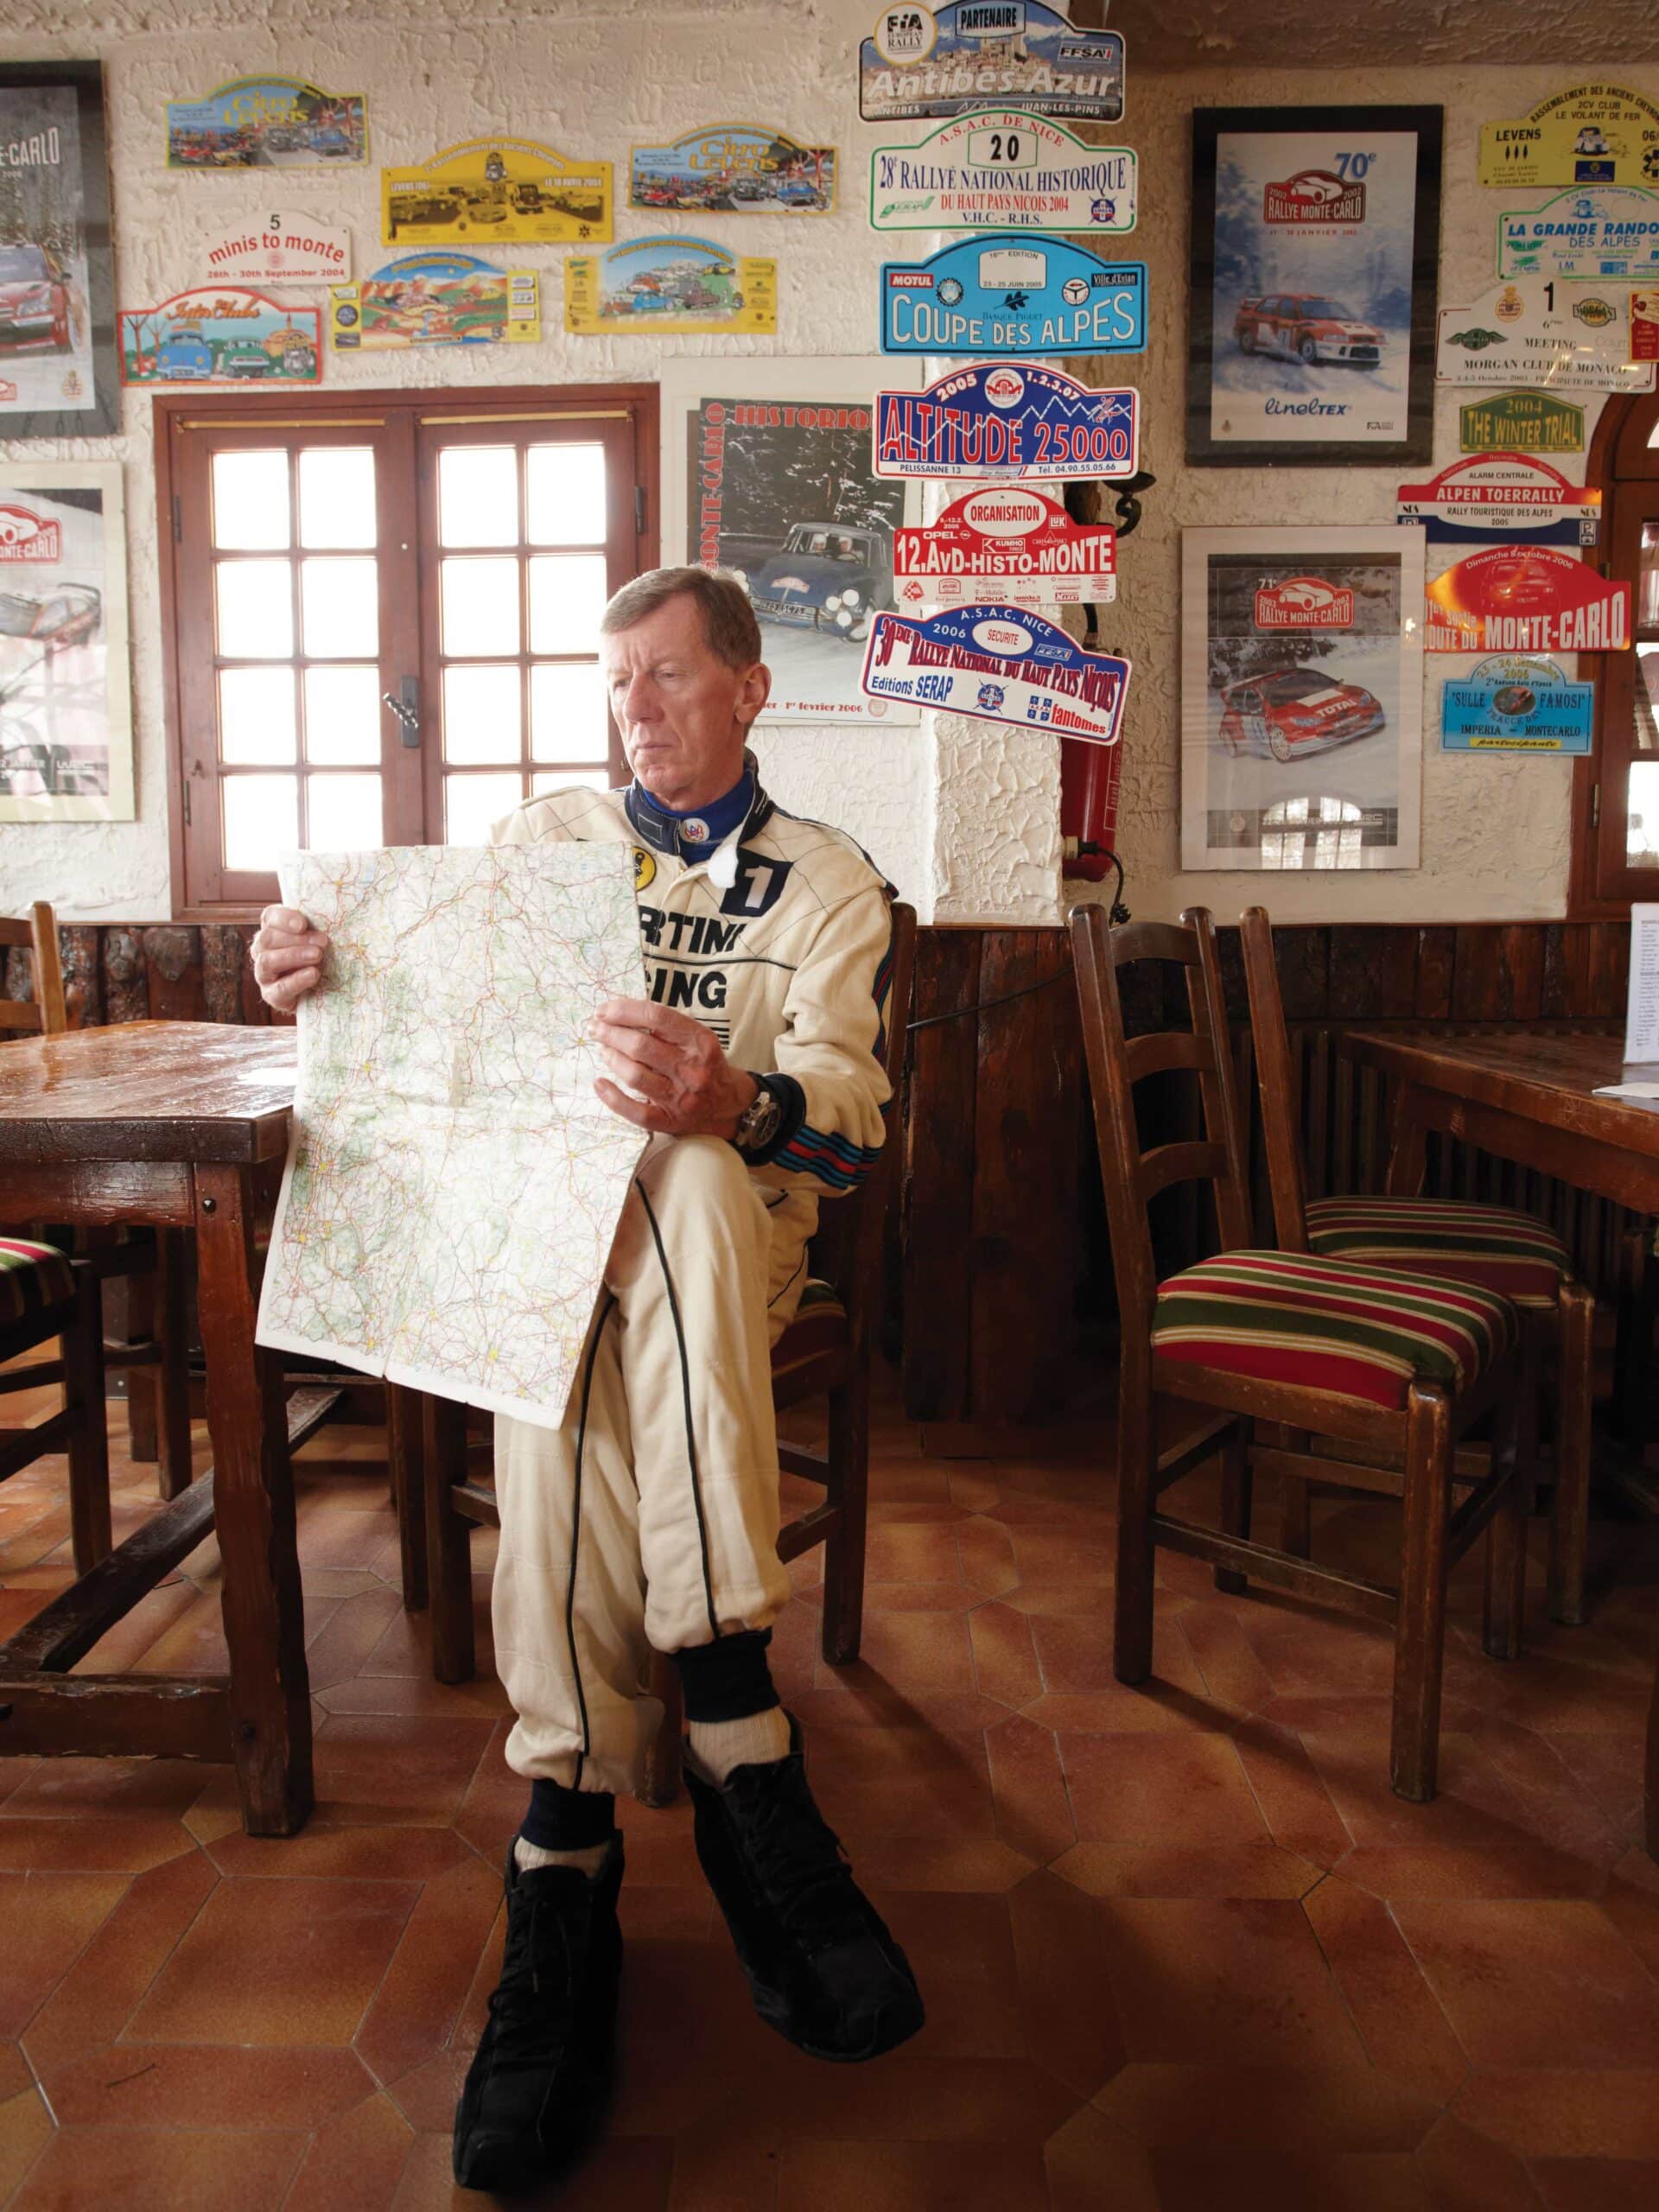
point(1496, 1248)
point(1324, 1347)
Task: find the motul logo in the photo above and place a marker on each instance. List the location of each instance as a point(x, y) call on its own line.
point(25, 536)
point(1304, 603)
point(1313, 196)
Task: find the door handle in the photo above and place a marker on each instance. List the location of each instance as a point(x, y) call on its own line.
point(407, 709)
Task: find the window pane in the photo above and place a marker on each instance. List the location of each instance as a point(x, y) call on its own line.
point(481, 714)
point(256, 609)
point(567, 495)
point(339, 603)
point(337, 496)
point(1642, 837)
point(570, 780)
point(256, 714)
point(567, 712)
point(342, 714)
point(343, 813)
point(480, 607)
point(478, 495)
point(567, 597)
point(262, 820)
point(472, 802)
point(250, 501)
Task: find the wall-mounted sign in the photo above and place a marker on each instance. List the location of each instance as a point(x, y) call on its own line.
point(276, 248)
point(1005, 542)
point(1590, 134)
point(943, 61)
point(733, 168)
point(268, 122)
point(995, 420)
point(1531, 331)
point(1506, 497)
point(1003, 664)
point(1526, 600)
point(434, 299)
point(683, 285)
point(1515, 705)
point(221, 334)
point(1521, 421)
point(1000, 168)
point(58, 375)
point(1580, 237)
point(500, 191)
point(1014, 295)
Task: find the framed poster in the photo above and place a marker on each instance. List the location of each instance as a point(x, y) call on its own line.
point(767, 469)
point(1301, 698)
point(57, 309)
point(1314, 263)
point(66, 710)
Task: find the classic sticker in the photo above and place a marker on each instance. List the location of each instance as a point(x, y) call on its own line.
point(683, 285)
point(733, 168)
point(1003, 424)
point(1590, 134)
point(944, 61)
point(1510, 705)
point(1013, 294)
point(1001, 662)
point(1531, 331)
point(1504, 496)
point(271, 123)
point(434, 299)
point(1001, 169)
point(1526, 600)
point(1521, 421)
point(498, 190)
point(1579, 237)
point(221, 334)
point(1005, 542)
point(276, 248)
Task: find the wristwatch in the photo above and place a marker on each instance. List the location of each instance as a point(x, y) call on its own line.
point(757, 1124)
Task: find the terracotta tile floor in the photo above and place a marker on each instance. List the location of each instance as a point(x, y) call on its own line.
point(1181, 1947)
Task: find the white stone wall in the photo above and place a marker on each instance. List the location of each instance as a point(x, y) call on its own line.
point(962, 815)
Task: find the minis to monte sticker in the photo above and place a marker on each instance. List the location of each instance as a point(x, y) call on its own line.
point(1003, 664)
point(1001, 169)
point(1013, 294)
point(922, 61)
point(1006, 542)
point(1006, 424)
point(276, 247)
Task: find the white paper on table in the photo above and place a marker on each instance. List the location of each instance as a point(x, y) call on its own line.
point(453, 1184)
point(1643, 1087)
point(1641, 1010)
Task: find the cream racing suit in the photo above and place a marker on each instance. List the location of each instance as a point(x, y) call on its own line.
point(650, 1519)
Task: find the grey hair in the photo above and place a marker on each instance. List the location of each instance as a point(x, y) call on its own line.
point(729, 629)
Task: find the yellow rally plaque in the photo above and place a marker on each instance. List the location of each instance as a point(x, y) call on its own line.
point(652, 284)
point(1590, 134)
point(496, 191)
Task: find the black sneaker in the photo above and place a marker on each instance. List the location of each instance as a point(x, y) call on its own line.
point(822, 1967)
point(536, 2088)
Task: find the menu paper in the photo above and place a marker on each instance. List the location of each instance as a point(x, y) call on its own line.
point(1642, 1015)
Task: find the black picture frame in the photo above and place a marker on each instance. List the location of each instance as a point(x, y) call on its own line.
point(103, 417)
point(1204, 449)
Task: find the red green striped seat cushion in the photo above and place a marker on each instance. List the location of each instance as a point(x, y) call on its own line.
point(819, 1325)
point(32, 1277)
point(1494, 1247)
point(1329, 1325)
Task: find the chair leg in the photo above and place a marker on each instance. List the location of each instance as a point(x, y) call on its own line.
point(1296, 1513)
point(663, 1758)
point(144, 1393)
point(89, 1441)
point(1238, 1482)
point(1137, 1464)
point(1569, 1530)
point(849, 1457)
point(172, 1372)
point(1514, 1461)
point(449, 1551)
point(404, 1439)
point(1638, 1284)
point(1420, 1627)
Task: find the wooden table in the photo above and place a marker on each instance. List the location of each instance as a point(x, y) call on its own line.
point(1529, 1099)
point(175, 1125)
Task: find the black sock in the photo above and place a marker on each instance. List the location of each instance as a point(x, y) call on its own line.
point(568, 1819)
point(729, 1678)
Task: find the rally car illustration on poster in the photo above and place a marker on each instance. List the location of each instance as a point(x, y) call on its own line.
point(38, 306)
point(827, 575)
point(1307, 326)
point(1295, 712)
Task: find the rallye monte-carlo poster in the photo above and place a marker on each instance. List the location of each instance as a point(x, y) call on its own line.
point(48, 366)
point(1301, 698)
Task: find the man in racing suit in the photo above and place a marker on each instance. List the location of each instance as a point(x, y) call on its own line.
point(649, 1520)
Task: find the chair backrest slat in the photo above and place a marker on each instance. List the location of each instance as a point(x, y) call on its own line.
point(46, 1010)
point(1189, 1162)
point(1275, 1082)
point(1153, 941)
point(1164, 1049)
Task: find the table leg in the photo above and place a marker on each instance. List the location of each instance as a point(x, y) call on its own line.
point(1408, 1155)
point(253, 1512)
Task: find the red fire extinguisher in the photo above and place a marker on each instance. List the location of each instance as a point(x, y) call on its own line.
point(1089, 774)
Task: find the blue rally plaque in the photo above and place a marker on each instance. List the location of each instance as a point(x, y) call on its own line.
point(1011, 296)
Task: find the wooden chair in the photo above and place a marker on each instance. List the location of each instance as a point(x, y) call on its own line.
point(824, 1352)
point(1494, 1247)
point(1318, 1347)
point(154, 1265)
point(42, 1295)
